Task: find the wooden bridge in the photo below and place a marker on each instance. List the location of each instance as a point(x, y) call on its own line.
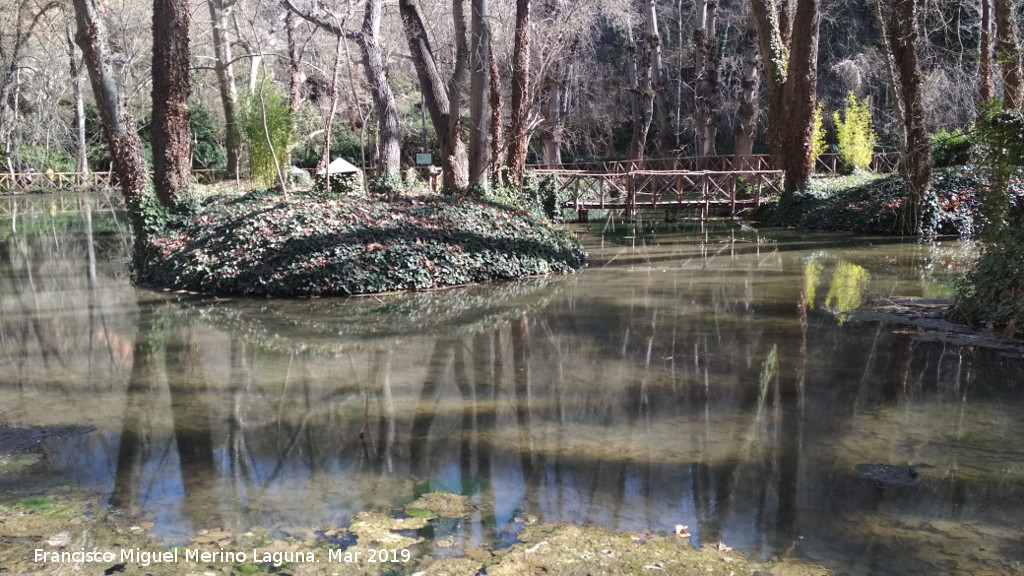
point(669, 190)
point(63, 181)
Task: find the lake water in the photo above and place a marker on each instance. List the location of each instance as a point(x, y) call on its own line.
point(716, 378)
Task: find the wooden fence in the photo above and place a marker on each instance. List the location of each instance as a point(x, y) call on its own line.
point(881, 163)
point(669, 190)
point(56, 181)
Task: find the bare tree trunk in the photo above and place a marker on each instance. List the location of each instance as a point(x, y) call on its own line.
point(705, 47)
point(551, 138)
point(1008, 53)
point(986, 87)
point(226, 80)
point(638, 74)
point(118, 124)
point(81, 159)
point(663, 124)
point(497, 138)
point(746, 126)
point(903, 34)
point(892, 75)
point(294, 78)
point(325, 156)
point(11, 53)
point(801, 94)
point(480, 63)
point(172, 138)
point(518, 136)
point(442, 101)
point(389, 130)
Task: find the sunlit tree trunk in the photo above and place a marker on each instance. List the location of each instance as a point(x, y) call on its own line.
point(986, 88)
point(1008, 53)
point(705, 47)
point(641, 94)
point(480, 64)
point(902, 34)
point(388, 127)
point(226, 80)
point(658, 83)
point(746, 126)
point(443, 101)
point(81, 159)
point(118, 124)
point(497, 135)
point(518, 136)
point(172, 138)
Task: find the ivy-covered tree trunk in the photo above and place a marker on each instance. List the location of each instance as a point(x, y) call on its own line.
point(705, 47)
point(479, 119)
point(902, 33)
point(746, 125)
point(219, 10)
point(792, 73)
point(172, 139)
point(118, 124)
point(518, 137)
point(801, 95)
point(1008, 53)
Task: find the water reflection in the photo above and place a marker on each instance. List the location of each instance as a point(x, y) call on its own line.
point(696, 378)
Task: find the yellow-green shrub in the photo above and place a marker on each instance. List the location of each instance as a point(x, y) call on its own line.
point(854, 133)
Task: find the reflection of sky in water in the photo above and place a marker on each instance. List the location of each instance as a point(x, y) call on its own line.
point(641, 410)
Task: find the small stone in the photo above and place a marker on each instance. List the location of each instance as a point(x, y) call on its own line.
point(59, 540)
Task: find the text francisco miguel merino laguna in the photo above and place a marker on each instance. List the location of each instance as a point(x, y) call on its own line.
point(147, 557)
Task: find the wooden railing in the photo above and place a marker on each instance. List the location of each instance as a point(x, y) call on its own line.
point(42, 181)
point(881, 163)
point(663, 189)
point(36, 205)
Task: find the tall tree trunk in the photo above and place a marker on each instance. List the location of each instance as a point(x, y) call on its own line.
point(551, 138)
point(892, 75)
point(497, 137)
point(801, 94)
point(389, 132)
point(479, 93)
point(638, 74)
point(172, 138)
point(518, 138)
point(118, 125)
point(1008, 53)
point(903, 34)
point(81, 159)
point(746, 126)
point(792, 73)
point(658, 83)
point(325, 156)
point(443, 101)
point(388, 128)
point(986, 87)
point(705, 46)
point(294, 78)
point(226, 80)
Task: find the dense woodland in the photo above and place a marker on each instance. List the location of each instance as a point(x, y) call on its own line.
point(488, 83)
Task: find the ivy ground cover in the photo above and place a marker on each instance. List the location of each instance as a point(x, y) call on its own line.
point(306, 245)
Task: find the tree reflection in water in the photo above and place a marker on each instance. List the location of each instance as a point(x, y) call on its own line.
point(691, 381)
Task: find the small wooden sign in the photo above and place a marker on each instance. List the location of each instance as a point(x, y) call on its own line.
point(424, 159)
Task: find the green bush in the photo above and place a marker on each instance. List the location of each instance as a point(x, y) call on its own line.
point(40, 158)
point(951, 148)
point(206, 151)
point(991, 294)
point(854, 134)
point(274, 110)
point(818, 145)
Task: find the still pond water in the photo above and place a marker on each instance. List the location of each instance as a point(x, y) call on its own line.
point(713, 378)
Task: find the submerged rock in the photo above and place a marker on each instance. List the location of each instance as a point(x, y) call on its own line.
point(888, 476)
